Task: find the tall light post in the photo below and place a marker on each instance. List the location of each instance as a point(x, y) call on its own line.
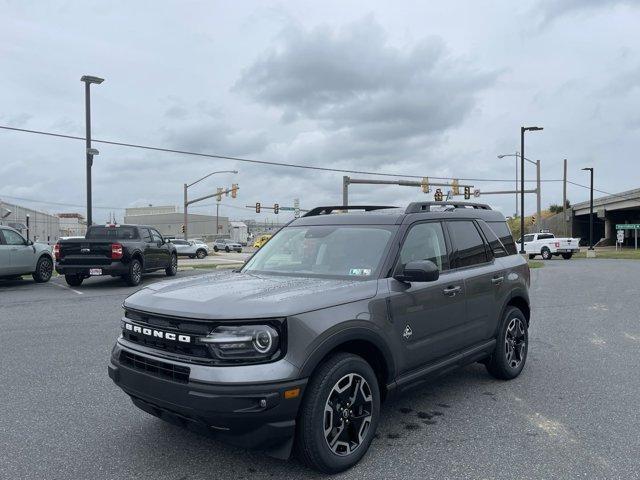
point(590, 169)
point(522, 156)
point(186, 200)
point(538, 182)
point(90, 152)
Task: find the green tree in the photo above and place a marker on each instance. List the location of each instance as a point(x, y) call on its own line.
point(555, 208)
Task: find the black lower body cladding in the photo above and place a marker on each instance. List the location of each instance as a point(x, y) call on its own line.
point(251, 416)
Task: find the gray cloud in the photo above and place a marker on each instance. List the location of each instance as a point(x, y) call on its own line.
point(550, 10)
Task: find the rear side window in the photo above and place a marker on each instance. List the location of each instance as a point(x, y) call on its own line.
point(146, 235)
point(501, 229)
point(545, 236)
point(496, 245)
point(425, 241)
point(469, 248)
point(112, 233)
point(13, 238)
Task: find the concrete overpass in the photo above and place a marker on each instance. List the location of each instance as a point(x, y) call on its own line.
point(623, 207)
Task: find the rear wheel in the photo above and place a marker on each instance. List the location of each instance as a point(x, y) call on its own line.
point(172, 269)
point(567, 256)
point(74, 280)
point(134, 276)
point(510, 353)
point(546, 254)
point(339, 414)
point(215, 248)
point(226, 249)
point(44, 270)
point(201, 253)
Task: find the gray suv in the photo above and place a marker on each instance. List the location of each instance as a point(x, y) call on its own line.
point(19, 256)
point(337, 313)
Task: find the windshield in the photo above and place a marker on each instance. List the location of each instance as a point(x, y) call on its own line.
point(324, 250)
point(112, 233)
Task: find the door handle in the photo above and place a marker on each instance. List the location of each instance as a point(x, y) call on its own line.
point(451, 291)
point(497, 280)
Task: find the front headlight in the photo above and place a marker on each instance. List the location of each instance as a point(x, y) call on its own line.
point(245, 343)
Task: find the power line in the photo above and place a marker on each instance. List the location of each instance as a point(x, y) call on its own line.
point(250, 160)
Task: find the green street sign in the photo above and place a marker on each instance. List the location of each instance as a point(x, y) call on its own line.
point(628, 226)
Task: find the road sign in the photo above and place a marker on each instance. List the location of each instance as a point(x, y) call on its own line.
point(620, 236)
point(628, 226)
point(476, 192)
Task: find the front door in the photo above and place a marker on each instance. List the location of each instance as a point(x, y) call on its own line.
point(428, 316)
point(161, 250)
point(150, 254)
point(21, 254)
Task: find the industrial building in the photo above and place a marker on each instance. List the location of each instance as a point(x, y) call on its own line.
point(169, 222)
point(72, 225)
point(36, 225)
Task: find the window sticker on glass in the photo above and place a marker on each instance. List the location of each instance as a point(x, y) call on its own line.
point(360, 271)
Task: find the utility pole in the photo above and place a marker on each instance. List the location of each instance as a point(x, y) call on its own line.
point(564, 198)
point(217, 215)
point(538, 199)
point(186, 216)
point(345, 190)
point(522, 155)
point(590, 170)
point(90, 152)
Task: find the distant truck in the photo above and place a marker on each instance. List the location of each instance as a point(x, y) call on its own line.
point(548, 245)
point(127, 251)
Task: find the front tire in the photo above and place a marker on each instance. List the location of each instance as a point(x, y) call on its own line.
point(134, 277)
point(73, 280)
point(512, 345)
point(44, 270)
point(339, 414)
point(546, 254)
point(172, 269)
point(201, 254)
point(215, 249)
point(226, 249)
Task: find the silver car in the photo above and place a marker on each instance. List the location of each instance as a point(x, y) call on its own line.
point(191, 248)
point(19, 256)
point(227, 245)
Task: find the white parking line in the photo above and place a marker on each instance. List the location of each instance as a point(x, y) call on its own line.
point(66, 288)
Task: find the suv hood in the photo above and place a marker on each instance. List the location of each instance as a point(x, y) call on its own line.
point(229, 295)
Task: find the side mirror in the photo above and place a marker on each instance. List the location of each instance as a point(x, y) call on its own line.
point(29, 242)
point(418, 271)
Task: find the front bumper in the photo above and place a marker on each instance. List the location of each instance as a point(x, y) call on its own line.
point(251, 416)
point(114, 268)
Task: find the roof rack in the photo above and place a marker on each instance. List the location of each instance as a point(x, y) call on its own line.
point(417, 207)
point(328, 209)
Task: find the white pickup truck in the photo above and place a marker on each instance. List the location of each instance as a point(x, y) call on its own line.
point(547, 245)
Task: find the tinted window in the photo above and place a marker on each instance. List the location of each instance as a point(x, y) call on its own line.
point(496, 245)
point(468, 243)
point(545, 236)
point(156, 236)
point(528, 238)
point(425, 241)
point(13, 238)
point(146, 235)
point(109, 233)
point(178, 242)
point(501, 229)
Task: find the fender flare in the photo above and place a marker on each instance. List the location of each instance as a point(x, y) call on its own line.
point(334, 338)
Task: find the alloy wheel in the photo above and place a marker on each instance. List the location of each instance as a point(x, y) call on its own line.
point(348, 414)
point(136, 271)
point(46, 269)
point(515, 342)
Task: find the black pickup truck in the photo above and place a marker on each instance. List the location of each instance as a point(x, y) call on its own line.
point(127, 251)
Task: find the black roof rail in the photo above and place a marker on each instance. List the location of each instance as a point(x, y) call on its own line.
point(328, 209)
point(417, 207)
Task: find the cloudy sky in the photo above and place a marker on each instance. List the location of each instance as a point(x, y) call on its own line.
point(408, 88)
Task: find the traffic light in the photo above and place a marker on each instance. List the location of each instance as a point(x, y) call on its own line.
point(467, 193)
point(533, 219)
point(276, 208)
point(425, 185)
point(219, 194)
point(234, 190)
point(257, 207)
point(438, 195)
point(455, 188)
point(182, 228)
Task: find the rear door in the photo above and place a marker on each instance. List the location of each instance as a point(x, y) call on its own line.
point(473, 259)
point(21, 254)
point(428, 316)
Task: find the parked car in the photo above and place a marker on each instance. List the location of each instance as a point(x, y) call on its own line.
point(548, 245)
point(191, 248)
point(127, 251)
point(335, 314)
point(19, 256)
point(261, 240)
point(226, 245)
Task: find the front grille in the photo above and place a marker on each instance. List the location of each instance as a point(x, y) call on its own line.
point(168, 371)
point(199, 351)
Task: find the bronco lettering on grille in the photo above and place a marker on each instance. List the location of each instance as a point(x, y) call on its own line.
point(150, 332)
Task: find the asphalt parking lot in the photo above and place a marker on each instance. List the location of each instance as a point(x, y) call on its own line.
point(573, 413)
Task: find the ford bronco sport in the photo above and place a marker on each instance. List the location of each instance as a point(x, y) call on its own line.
point(335, 314)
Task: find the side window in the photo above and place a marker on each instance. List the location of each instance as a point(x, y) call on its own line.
point(1, 237)
point(13, 238)
point(529, 238)
point(156, 236)
point(425, 241)
point(469, 246)
point(146, 236)
point(496, 245)
point(545, 236)
point(501, 229)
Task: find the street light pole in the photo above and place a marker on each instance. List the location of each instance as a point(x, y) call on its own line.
point(90, 152)
point(538, 181)
point(590, 169)
point(186, 202)
point(522, 155)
